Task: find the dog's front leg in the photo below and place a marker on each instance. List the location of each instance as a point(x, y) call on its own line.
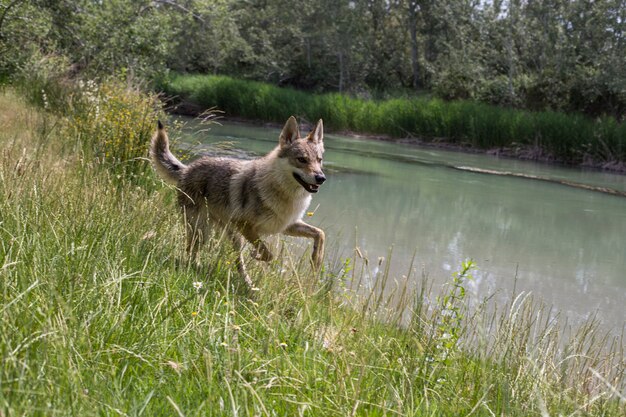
point(301, 229)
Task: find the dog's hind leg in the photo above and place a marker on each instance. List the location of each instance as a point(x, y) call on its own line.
point(196, 223)
point(301, 229)
point(238, 244)
point(261, 251)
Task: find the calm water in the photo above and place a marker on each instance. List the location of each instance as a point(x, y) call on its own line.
point(565, 245)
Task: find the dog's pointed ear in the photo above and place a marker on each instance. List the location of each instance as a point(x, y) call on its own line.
point(317, 134)
point(290, 132)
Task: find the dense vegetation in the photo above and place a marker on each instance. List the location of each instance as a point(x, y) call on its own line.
point(555, 136)
point(563, 55)
point(100, 315)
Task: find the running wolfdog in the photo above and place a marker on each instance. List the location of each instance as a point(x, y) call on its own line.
point(249, 199)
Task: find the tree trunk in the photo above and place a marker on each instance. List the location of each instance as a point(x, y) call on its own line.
point(413, 8)
point(341, 71)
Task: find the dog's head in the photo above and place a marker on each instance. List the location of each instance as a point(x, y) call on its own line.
point(304, 155)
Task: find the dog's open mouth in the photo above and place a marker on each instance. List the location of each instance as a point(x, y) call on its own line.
point(312, 188)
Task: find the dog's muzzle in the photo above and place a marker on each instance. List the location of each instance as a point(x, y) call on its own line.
point(312, 188)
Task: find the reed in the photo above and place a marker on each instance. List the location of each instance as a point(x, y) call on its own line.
point(568, 138)
point(101, 315)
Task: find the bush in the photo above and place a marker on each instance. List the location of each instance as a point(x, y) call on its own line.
point(113, 122)
point(42, 80)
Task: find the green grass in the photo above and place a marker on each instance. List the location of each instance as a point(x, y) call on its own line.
point(99, 314)
point(567, 138)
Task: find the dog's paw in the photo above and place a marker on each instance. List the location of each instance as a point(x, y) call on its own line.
point(262, 255)
point(317, 261)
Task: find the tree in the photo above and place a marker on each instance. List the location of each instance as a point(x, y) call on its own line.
point(567, 55)
point(413, 10)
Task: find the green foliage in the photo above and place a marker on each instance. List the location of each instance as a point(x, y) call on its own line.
point(568, 138)
point(22, 40)
point(451, 307)
point(99, 314)
point(129, 38)
point(113, 123)
point(41, 80)
point(562, 56)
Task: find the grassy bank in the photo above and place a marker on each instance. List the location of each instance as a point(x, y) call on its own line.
point(100, 315)
point(567, 138)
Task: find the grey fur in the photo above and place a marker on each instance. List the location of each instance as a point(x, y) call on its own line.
point(251, 199)
point(166, 164)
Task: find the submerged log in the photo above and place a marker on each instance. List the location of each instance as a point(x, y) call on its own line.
point(578, 185)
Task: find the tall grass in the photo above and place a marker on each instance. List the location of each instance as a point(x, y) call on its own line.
point(101, 315)
point(568, 138)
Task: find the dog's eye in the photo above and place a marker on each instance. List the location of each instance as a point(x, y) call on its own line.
point(303, 160)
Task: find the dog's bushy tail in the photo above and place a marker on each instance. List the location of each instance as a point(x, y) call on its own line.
point(165, 163)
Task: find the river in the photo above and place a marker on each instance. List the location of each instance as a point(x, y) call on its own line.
point(565, 245)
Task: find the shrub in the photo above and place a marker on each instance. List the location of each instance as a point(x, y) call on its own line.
point(113, 122)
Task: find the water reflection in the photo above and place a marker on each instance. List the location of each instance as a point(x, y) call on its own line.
point(565, 245)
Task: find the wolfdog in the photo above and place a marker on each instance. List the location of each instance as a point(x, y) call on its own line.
point(248, 199)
